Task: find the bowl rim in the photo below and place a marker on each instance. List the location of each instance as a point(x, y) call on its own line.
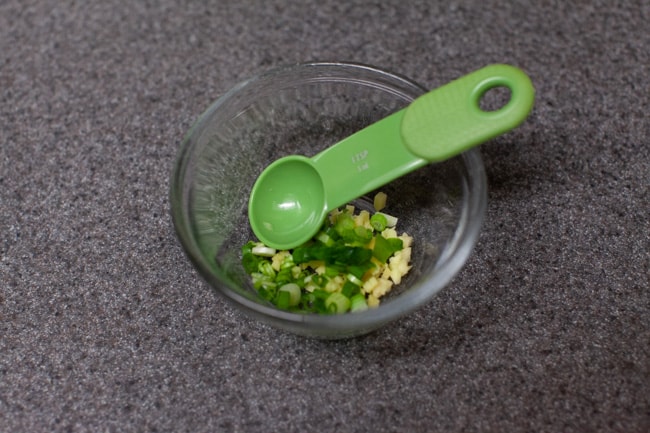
point(448, 265)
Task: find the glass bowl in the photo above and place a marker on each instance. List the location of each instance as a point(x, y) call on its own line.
point(303, 109)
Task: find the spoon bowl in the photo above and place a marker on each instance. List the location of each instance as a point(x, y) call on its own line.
point(289, 201)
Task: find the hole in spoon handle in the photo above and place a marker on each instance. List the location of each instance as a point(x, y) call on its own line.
point(449, 120)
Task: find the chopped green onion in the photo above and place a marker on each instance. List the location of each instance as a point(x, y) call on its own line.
point(260, 280)
point(284, 276)
point(354, 280)
point(314, 302)
point(265, 268)
point(265, 293)
point(378, 222)
point(331, 232)
point(321, 294)
point(337, 254)
point(350, 289)
point(294, 293)
point(263, 250)
point(384, 248)
point(359, 270)
point(337, 302)
point(319, 280)
point(358, 303)
point(391, 221)
point(344, 224)
point(362, 235)
point(325, 238)
point(332, 271)
point(287, 263)
point(248, 247)
point(250, 262)
point(396, 244)
point(283, 299)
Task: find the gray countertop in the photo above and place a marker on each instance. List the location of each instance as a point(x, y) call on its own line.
point(106, 327)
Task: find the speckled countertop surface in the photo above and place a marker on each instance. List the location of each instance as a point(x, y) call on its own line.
point(106, 327)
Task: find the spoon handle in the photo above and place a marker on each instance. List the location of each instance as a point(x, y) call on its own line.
point(364, 161)
point(449, 120)
point(436, 126)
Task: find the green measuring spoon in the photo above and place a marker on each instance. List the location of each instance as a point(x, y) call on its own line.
point(292, 197)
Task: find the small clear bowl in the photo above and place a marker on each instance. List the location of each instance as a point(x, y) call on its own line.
point(304, 109)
